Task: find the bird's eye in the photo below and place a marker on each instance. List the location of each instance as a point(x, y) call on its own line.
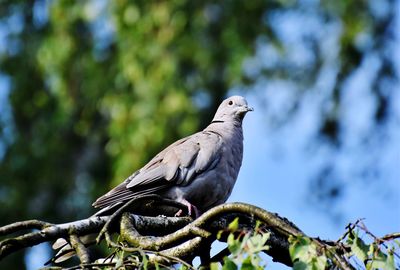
point(230, 103)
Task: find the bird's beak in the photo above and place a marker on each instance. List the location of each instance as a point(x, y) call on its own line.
point(248, 109)
point(244, 109)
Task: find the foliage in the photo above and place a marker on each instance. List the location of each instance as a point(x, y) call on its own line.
point(375, 255)
point(381, 253)
point(305, 255)
point(308, 253)
point(244, 249)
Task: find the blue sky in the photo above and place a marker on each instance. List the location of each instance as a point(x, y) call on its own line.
point(278, 182)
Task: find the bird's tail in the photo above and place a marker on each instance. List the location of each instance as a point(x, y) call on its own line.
point(64, 249)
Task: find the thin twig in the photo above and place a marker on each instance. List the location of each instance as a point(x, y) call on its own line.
point(349, 228)
point(389, 237)
point(378, 241)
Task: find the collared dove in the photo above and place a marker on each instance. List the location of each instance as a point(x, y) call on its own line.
point(199, 170)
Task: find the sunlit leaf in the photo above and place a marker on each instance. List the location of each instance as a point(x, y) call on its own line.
point(299, 248)
point(214, 266)
point(234, 245)
point(234, 225)
point(320, 262)
point(390, 264)
point(360, 249)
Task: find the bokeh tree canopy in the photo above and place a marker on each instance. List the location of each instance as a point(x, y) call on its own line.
point(92, 89)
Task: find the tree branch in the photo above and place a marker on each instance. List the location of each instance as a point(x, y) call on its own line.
point(24, 225)
point(48, 233)
point(166, 238)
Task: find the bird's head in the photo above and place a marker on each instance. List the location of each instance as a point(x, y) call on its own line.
point(232, 109)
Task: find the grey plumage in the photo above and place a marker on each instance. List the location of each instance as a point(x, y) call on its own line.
point(198, 170)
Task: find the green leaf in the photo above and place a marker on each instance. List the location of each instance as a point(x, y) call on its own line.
point(256, 243)
point(360, 249)
point(255, 259)
point(319, 262)
point(183, 267)
point(397, 242)
point(219, 234)
point(300, 248)
point(371, 250)
point(247, 264)
point(260, 242)
point(382, 261)
point(376, 264)
point(304, 254)
point(234, 225)
point(390, 261)
point(214, 266)
point(265, 238)
point(229, 264)
point(145, 261)
point(258, 224)
point(234, 245)
point(252, 243)
point(245, 239)
point(299, 265)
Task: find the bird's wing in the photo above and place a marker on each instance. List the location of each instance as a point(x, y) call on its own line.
point(178, 164)
point(181, 162)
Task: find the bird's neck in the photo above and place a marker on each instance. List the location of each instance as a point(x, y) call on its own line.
point(235, 121)
point(226, 128)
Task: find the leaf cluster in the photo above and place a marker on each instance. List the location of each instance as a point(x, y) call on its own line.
point(313, 254)
point(374, 255)
point(245, 249)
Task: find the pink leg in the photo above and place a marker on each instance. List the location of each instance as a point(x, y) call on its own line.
point(191, 209)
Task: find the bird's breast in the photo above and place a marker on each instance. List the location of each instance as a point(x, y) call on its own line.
point(214, 186)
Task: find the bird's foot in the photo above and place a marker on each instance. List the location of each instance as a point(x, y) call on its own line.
point(192, 210)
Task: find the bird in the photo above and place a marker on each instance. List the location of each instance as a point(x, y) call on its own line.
point(198, 171)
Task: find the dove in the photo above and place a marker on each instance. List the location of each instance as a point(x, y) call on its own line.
point(198, 171)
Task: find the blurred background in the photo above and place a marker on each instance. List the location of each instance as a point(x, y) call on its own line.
point(91, 90)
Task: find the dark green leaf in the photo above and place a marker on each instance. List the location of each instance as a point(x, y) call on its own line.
point(229, 264)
